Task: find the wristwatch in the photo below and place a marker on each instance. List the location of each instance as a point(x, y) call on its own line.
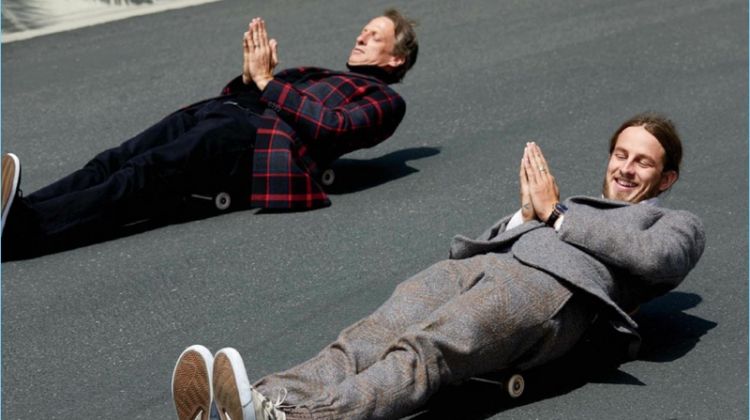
point(559, 210)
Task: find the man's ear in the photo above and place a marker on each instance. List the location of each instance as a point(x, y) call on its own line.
point(668, 178)
point(396, 61)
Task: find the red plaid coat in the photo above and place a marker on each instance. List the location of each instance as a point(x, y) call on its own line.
point(312, 117)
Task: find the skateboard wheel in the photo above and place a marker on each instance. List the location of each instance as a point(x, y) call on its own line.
point(328, 177)
point(222, 201)
point(515, 385)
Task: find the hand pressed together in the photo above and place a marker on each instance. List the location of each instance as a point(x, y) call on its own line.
point(260, 55)
point(539, 192)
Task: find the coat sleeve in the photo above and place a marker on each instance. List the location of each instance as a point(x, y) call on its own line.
point(371, 114)
point(658, 245)
point(236, 86)
point(494, 230)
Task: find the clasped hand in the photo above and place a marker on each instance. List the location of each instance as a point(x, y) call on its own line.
point(259, 55)
point(539, 192)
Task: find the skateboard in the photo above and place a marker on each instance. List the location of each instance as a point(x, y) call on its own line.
point(223, 200)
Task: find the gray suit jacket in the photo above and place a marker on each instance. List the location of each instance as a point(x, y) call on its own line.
point(623, 254)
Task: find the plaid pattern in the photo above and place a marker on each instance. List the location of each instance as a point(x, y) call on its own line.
point(312, 117)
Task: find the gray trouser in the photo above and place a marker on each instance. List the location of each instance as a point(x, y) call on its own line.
point(452, 321)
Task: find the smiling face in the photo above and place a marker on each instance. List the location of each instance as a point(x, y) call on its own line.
point(374, 45)
point(636, 167)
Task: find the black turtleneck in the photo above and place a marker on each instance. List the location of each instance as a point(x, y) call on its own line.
point(374, 71)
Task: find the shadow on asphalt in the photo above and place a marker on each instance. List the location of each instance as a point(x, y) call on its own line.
point(668, 334)
point(354, 175)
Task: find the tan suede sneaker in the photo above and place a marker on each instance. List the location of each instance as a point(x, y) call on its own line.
point(191, 384)
point(235, 398)
point(11, 177)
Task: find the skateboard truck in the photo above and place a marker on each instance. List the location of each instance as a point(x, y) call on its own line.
point(514, 384)
point(222, 200)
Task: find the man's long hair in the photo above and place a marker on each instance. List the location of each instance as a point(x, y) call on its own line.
point(665, 132)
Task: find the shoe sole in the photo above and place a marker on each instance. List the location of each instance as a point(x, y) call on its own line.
point(15, 177)
point(191, 383)
point(232, 391)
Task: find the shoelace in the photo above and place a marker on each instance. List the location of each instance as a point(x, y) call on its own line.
point(279, 400)
point(271, 406)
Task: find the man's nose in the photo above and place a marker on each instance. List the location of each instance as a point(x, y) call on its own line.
point(361, 39)
point(628, 168)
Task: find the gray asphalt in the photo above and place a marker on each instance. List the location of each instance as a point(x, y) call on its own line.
point(94, 332)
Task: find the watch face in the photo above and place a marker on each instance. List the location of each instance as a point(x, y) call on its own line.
point(562, 208)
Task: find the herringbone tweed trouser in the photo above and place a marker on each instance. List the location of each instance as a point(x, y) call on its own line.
point(452, 321)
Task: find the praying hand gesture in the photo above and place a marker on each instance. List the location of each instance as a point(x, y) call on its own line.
point(539, 192)
point(259, 55)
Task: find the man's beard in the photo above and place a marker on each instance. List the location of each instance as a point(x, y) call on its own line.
point(652, 192)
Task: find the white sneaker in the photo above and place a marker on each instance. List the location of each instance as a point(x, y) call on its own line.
point(11, 177)
point(235, 398)
point(191, 383)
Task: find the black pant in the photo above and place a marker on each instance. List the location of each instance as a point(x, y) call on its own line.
point(201, 149)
